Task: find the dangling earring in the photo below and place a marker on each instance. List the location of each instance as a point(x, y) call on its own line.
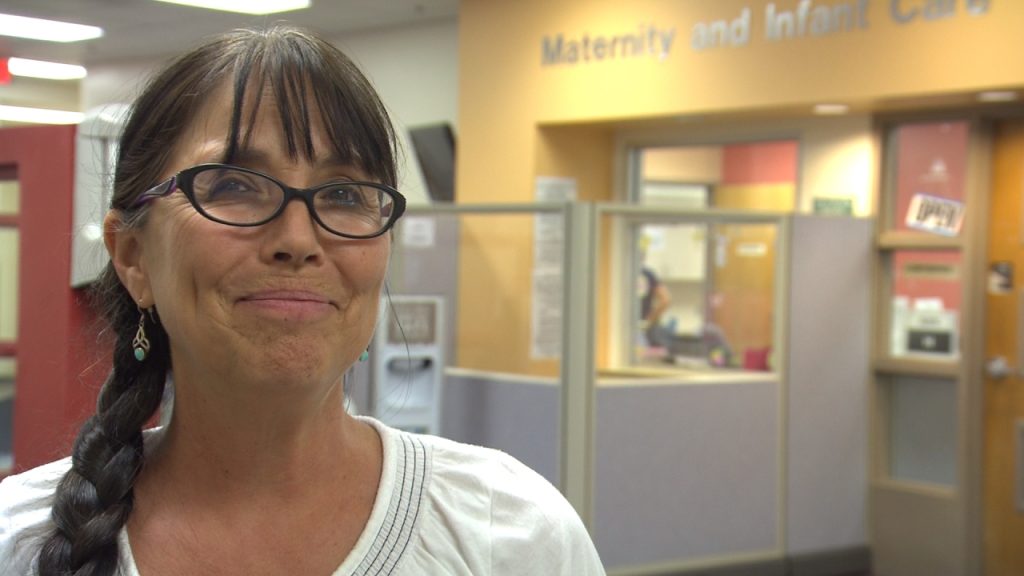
point(141, 344)
point(364, 356)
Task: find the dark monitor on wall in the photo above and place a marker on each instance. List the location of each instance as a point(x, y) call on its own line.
point(435, 152)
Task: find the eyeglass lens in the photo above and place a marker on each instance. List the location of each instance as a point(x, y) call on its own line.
point(241, 197)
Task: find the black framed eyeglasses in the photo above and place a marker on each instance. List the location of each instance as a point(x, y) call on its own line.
point(241, 197)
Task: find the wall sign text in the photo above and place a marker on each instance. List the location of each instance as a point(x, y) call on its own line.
point(777, 22)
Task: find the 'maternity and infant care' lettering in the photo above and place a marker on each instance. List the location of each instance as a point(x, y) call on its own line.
point(646, 41)
point(779, 21)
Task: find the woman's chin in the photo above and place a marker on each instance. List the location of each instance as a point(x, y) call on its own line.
point(290, 366)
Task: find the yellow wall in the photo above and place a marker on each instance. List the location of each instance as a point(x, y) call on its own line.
point(505, 92)
point(496, 257)
point(880, 61)
point(586, 154)
point(520, 119)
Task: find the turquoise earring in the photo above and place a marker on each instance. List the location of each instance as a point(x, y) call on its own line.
point(141, 344)
point(364, 356)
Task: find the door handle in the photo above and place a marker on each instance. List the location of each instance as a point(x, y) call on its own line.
point(998, 368)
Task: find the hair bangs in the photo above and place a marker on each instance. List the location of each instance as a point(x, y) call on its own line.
point(312, 84)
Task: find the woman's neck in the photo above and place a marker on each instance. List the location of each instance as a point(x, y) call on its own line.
point(261, 444)
point(259, 485)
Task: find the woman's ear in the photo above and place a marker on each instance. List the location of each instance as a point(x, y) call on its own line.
point(125, 248)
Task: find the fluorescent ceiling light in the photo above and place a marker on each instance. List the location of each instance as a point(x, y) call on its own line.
point(39, 115)
point(245, 6)
point(46, 70)
point(997, 96)
point(831, 109)
point(49, 30)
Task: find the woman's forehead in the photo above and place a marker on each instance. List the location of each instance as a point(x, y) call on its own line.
point(260, 130)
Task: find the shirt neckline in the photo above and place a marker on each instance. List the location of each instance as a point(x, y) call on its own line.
point(393, 519)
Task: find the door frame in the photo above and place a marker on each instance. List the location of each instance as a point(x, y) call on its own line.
point(954, 517)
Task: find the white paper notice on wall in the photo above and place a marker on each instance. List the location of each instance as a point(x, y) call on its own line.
point(555, 189)
point(752, 250)
point(934, 214)
point(418, 232)
point(548, 257)
point(546, 321)
point(549, 229)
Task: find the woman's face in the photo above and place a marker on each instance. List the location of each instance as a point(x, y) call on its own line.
point(285, 303)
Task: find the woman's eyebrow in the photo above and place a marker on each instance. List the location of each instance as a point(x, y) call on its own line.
point(253, 157)
point(247, 157)
point(336, 160)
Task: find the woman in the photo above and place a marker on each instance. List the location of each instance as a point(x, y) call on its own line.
point(258, 305)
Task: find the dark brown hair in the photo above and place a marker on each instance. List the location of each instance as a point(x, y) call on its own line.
point(297, 70)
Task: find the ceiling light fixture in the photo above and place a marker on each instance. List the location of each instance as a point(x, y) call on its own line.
point(997, 96)
point(39, 115)
point(246, 6)
point(49, 30)
point(831, 109)
point(45, 70)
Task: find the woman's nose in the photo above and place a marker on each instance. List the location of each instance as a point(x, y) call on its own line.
point(294, 237)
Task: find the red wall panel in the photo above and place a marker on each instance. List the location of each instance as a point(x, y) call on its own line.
point(770, 162)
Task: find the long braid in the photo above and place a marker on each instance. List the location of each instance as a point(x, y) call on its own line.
point(95, 497)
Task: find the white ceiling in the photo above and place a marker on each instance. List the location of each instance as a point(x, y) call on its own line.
point(146, 29)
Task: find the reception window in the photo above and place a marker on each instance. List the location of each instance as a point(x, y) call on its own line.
point(704, 286)
point(703, 292)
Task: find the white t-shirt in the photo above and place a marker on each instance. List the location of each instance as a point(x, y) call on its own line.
point(442, 508)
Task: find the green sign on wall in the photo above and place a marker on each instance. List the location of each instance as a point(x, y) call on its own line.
point(833, 206)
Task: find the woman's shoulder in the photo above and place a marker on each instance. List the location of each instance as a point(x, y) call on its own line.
point(25, 501)
point(510, 517)
point(496, 474)
point(460, 475)
point(28, 491)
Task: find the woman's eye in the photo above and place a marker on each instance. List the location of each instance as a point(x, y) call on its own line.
point(344, 197)
point(231, 186)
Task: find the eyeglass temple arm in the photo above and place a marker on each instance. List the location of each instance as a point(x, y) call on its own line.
point(160, 190)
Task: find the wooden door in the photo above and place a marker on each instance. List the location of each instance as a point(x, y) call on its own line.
point(1004, 382)
point(742, 299)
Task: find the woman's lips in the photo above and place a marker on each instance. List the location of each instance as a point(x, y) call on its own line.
point(297, 305)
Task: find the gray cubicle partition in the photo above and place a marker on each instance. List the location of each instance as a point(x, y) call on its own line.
point(513, 413)
point(686, 470)
point(828, 379)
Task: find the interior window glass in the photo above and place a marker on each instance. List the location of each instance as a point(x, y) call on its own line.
point(925, 307)
point(922, 429)
point(9, 198)
point(930, 168)
point(704, 295)
point(704, 292)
